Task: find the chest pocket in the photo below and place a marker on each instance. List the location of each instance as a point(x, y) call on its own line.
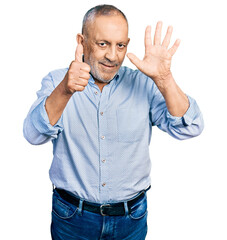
point(131, 124)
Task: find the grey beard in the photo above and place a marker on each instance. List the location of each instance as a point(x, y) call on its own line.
point(102, 80)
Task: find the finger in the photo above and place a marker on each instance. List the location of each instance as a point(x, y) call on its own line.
point(79, 88)
point(85, 67)
point(79, 53)
point(173, 49)
point(84, 75)
point(82, 82)
point(167, 38)
point(157, 36)
point(147, 39)
point(134, 59)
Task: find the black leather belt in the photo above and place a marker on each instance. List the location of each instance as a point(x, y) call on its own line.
point(109, 209)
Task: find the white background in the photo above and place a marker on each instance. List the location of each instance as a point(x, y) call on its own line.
point(188, 199)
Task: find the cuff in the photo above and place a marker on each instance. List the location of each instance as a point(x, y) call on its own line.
point(41, 121)
point(188, 117)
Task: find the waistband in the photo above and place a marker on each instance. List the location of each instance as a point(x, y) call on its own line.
point(108, 209)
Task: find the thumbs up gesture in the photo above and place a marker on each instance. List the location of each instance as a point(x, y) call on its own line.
point(78, 74)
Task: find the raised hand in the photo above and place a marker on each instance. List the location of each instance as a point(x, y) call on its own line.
point(157, 60)
point(76, 79)
point(78, 74)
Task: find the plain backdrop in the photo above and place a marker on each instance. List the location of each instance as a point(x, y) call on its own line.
point(188, 199)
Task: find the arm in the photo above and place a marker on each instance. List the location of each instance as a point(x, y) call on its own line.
point(37, 129)
point(189, 125)
point(44, 121)
point(76, 79)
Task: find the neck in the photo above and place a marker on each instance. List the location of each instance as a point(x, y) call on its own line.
point(100, 84)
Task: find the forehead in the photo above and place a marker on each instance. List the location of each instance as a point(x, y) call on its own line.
point(111, 28)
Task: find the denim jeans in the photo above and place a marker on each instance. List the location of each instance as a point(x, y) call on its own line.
point(72, 223)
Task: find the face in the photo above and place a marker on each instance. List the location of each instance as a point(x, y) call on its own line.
point(105, 46)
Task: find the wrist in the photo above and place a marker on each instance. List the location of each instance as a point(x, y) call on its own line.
point(165, 82)
point(63, 87)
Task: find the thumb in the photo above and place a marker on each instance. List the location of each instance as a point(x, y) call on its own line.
point(134, 59)
point(79, 53)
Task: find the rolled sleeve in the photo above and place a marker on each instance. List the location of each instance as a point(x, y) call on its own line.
point(189, 116)
point(41, 121)
point(190, 125)
point(37, 128)
point(192, 112)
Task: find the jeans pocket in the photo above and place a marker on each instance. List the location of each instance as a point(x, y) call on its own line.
point(139, 209)
point(61, 208)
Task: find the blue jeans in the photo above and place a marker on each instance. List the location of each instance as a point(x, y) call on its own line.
point(72, 223)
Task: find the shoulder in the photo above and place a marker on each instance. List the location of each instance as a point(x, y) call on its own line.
point(57, 75)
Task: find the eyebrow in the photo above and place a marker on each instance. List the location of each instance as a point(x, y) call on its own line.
point(102, 41)
point(122, 42)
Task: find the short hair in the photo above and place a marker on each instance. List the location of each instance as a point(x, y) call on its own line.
point(100, 10)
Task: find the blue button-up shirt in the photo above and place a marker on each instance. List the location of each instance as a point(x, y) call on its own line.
point(101, 142)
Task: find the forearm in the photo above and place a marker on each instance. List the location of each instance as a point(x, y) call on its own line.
point(56, 103)
point(37, 129)
point(176, 101)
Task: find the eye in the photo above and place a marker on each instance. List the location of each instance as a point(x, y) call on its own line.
point(102, 44)
point(121, 45)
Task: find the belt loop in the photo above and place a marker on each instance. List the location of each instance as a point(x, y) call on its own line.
point(126, 208)
point(80, 207)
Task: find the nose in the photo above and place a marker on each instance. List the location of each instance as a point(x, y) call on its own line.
point(111, 54)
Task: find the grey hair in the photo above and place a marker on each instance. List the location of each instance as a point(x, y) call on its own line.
point(100, 10)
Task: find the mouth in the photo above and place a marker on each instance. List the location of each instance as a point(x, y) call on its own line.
point(109, 66)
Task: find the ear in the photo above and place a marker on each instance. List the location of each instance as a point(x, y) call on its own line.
point(80, 38)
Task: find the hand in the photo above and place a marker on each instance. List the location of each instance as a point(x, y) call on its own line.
point(78, 74)
point(157, 60)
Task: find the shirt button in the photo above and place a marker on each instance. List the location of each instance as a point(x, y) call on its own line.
point(101, 113)
point(96, 92)
point(104, 160)
point(104, 184)
point(103, 137)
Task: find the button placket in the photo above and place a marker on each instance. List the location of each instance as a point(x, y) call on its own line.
point(103, 130)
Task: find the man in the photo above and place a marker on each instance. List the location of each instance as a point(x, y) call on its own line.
point(99, 117)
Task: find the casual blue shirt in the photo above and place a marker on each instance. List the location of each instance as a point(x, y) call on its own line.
point(101, 142)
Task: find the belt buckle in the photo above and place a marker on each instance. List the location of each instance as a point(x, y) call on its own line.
point(101, 209)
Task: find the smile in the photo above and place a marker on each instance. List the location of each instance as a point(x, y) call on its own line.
point(108, 66)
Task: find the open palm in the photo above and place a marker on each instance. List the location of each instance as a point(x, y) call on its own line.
point(157, 60)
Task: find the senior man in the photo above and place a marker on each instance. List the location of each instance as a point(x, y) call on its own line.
point(99, 116)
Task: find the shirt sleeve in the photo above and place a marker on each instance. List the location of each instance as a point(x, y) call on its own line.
point(37, 128)
point(188, 126)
